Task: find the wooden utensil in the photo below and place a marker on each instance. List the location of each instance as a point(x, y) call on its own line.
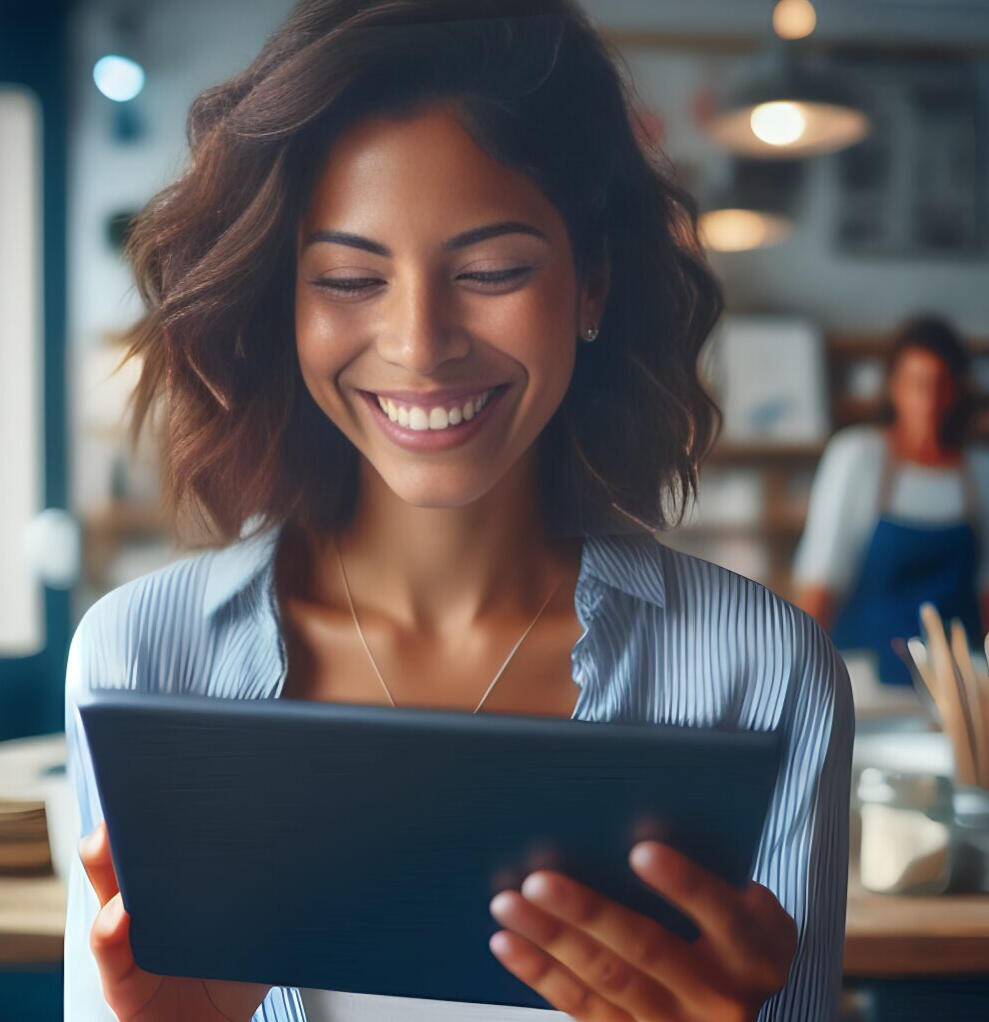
point(966, 669)
point(950, 695)
point(918, 651)
point(904, 652)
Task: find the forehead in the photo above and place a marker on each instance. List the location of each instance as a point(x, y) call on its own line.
point(423, 167)
point(916, 359)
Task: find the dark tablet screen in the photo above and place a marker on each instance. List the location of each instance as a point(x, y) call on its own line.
point(356, 848)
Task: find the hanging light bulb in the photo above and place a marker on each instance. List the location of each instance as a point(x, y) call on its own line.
point(794, 19)
point(780, 123)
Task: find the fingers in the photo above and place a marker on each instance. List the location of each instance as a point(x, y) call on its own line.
point(615, 978)
point(94, 850)
point(749, 930)
point(126, 987)
point(676, 972)
point(551, 980)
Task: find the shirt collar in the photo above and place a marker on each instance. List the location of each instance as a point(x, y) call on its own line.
point(632, 564)
point(233, 568)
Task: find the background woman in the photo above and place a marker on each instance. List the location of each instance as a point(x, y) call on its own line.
point(897, 510)
point(369, 307)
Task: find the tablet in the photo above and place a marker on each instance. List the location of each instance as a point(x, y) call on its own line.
point(356, 848)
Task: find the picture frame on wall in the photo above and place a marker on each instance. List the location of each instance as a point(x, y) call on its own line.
point(771, 376)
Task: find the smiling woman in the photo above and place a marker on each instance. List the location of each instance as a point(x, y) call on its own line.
point(368, 307)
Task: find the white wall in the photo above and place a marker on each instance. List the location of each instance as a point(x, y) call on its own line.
point(22, 619)
point(189, 45)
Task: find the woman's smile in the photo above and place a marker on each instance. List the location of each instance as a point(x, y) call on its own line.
point(434, 427)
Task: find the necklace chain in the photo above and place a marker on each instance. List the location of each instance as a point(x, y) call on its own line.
point(360, 632)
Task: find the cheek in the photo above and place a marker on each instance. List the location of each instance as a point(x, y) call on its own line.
point(318, 341)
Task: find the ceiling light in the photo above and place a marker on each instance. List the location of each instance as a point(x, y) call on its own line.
point(739, 230)
point(778, 123)
point(789, 111)
point(794, 19)
point(118, 78)
point(752, 208)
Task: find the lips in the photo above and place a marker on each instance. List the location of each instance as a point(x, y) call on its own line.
point(434, 439)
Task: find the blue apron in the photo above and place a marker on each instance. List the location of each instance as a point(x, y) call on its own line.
point(905, 564)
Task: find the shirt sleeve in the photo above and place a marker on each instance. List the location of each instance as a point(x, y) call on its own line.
point(92, 663)
point(803, 854)
point(84, 1000)
point(840, 513)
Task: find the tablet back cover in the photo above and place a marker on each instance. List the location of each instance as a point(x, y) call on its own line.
point(356, 848)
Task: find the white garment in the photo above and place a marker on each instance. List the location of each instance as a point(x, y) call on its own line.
point(336, 1006)
point(844, 505)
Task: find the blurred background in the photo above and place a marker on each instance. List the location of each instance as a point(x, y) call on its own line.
point(837, 151)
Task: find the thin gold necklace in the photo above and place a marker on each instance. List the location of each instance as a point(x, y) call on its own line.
point(360, 632)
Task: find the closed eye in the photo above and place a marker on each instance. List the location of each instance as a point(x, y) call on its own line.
point(351, 285)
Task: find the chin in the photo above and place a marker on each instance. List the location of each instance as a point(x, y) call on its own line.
point(431, 492)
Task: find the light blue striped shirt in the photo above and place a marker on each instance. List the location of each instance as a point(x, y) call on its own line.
point(668, 638)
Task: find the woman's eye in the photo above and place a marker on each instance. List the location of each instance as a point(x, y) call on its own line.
point(351, 285)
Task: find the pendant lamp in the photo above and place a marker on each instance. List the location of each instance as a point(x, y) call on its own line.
point(787, 110)
point(753, 209)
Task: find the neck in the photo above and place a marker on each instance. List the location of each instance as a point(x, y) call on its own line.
point(440, 570)
point(922, 446)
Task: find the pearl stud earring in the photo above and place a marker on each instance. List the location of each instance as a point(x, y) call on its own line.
point(590, 333)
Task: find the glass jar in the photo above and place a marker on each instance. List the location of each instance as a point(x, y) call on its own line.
point(907, 841)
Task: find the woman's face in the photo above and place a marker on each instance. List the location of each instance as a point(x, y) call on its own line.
point(921, 390)
point(408, 289)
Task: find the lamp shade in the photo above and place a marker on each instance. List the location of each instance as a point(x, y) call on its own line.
point(753, 208)
point(737, 229)
point(789, 111)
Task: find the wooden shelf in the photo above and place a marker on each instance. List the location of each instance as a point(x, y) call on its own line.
point(749, 453)
point(115, 525)
point(120, 518)
point(770, 530)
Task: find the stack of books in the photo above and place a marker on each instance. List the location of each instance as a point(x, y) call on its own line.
point(25, 849)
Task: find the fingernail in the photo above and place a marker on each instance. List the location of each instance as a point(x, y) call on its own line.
point(647, 855)
point(540, 888)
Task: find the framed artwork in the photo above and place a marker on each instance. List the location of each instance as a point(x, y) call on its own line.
point(770, 373)
point(917, 185)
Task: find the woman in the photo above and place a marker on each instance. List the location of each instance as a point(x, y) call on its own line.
point(897, 509)
point(370, 302)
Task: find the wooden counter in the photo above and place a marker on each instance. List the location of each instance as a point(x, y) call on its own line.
point(901, 935)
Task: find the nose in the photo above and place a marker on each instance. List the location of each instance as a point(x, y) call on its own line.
point(421, 330)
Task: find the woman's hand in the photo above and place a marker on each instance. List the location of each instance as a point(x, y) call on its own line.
point(134, 994)
point(601, 962)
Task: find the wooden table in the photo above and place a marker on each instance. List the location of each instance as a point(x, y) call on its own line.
point(892, 935)
point(32, 920)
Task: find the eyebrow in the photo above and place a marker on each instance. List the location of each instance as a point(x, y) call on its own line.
point(458, 241)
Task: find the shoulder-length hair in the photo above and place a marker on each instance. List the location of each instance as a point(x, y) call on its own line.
point(935, 334)
point(214, 258)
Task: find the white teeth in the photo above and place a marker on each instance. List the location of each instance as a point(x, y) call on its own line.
point(415, 417)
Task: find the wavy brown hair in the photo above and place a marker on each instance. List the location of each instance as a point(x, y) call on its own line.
point(214, 258)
